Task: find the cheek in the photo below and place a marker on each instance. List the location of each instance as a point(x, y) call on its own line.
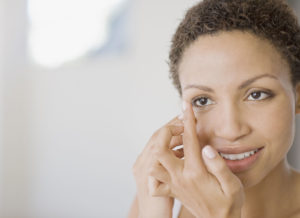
point(205, 127)
point(278, 126)
point(272, 124)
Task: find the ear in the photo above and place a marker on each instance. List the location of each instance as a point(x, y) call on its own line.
point(297, 92)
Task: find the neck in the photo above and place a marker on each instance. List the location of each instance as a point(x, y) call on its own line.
point(262, 200)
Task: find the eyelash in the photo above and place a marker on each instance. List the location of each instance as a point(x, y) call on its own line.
point(269, 95)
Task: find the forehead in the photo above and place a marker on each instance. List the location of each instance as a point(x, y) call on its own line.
point(232, 55)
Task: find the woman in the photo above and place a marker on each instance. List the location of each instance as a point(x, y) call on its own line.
point(236, 65)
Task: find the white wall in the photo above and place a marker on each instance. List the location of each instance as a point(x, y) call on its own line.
point(71, 135)
point(294, 153)
point(1, 102)
point(16, 113)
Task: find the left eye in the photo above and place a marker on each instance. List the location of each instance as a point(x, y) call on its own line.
point(258, 95)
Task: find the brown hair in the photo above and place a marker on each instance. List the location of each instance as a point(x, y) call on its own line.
point(272, 20)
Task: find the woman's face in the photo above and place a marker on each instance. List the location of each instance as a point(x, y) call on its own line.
point(243, 100)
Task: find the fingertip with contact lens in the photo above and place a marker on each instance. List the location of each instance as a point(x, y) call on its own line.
point(184, 105)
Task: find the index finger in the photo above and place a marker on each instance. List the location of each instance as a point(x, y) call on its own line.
point(191, 144)
point(175, 121)
point(175, 126)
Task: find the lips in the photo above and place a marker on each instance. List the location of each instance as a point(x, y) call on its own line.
point(240, 159)
point(239, 156)
point(237, 150)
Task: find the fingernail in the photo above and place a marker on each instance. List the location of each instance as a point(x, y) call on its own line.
point(209, 152)
point(180, 117)
point(184, 105)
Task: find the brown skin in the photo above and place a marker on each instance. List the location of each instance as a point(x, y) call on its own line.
point(232, 117)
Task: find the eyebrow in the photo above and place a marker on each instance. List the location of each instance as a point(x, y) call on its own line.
point(243, 85)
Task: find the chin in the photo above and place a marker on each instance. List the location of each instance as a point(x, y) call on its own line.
point(250, 179)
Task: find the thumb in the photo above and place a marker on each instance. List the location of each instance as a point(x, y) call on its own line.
point(216, 165)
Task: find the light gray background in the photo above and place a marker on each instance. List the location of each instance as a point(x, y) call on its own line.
point(69, 137)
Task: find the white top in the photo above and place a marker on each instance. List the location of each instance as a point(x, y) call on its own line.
point(176, 208)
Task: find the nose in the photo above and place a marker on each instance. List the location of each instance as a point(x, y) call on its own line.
point(231, 125)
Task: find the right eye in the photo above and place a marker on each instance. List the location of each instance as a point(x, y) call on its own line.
point(202, 101)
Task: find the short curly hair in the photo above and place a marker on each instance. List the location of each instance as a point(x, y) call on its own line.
point(272, 20)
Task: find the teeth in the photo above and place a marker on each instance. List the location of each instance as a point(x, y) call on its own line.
point(238, 156)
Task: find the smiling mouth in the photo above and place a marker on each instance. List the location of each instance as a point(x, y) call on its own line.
point(240, 162)
point(240, 156)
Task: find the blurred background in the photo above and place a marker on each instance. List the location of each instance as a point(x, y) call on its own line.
point(84, 84)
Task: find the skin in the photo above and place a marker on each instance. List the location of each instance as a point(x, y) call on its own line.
point(230, 117)
point(233, 58)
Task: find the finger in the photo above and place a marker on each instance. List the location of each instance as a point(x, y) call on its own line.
point(162, 136)
point(158, 172)
point(161, 190)
point(176, 145)
point(179, 153)
point(169, 161)
point(176, 141)
point(176, 128)
point(175, 121)
point(166, 133)
point(164, 154)
point(168, 137)
point(152, 185)
point(145, 158)
point(192, 147)
point(217, 166)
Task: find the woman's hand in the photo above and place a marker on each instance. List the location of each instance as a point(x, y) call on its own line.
point(202, 181)
point(150, 206)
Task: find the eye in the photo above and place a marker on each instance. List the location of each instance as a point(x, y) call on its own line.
point(202, 101)
point(259, 95)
